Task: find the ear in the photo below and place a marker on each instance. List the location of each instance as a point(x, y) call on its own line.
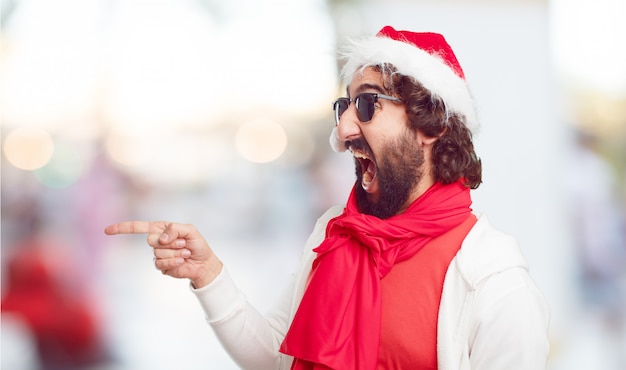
point(426, 140)
point(429, 140)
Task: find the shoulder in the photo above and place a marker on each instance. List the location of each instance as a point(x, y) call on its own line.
point(319, 230)
point(486, 251)
point(330, 213)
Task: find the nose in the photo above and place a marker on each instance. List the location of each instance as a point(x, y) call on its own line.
point(348, 127)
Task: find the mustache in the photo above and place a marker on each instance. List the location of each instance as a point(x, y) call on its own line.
point(360, 145)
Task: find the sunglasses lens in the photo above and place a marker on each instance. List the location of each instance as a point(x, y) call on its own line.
point(364, 104)
point(340, 106)
point(365, 107)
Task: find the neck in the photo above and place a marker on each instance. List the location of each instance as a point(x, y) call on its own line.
point(427, 181)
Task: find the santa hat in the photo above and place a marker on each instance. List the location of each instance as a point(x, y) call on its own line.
point(425, 56)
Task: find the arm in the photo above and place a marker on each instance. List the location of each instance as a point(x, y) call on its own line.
point(251, 339)
point(511, 320)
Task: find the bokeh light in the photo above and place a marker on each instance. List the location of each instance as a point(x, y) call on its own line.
point(261, 140)
point(28, 148)
point(129, 150)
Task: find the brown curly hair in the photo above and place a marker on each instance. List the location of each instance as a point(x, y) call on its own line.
point(453, 153)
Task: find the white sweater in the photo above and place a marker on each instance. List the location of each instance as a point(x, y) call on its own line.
point(491, 317)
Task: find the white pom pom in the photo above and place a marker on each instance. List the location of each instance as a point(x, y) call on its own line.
point(336, 143)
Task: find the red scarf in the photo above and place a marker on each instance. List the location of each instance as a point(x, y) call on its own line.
point(337, 325)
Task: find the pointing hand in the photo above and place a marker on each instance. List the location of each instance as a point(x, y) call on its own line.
point(179, 250)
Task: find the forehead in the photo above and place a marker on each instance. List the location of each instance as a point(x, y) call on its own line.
point(366, 80)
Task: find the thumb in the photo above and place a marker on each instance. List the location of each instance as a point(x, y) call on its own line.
point(175, 231)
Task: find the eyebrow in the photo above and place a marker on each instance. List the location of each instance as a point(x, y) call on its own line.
point(365, 87)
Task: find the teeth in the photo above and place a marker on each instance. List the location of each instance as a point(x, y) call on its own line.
point(369, 173)
point(359, 155)
point(368, 176)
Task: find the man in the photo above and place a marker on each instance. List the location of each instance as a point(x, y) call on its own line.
point(404, 276)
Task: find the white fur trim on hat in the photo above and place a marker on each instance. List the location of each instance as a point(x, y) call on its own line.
point(428, 69)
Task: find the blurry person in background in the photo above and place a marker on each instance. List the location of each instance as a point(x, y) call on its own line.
point(599, 226)
point(404, 275)
point(43, 294)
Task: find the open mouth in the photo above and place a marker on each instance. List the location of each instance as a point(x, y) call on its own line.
point(368, 169)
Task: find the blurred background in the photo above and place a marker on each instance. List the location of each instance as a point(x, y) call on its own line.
point(217, 113)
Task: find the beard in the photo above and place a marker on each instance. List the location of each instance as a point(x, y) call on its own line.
point(398, 170)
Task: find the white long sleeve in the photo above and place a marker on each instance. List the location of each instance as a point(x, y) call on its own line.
point(251, 339)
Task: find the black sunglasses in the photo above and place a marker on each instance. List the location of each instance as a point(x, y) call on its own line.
point(364, 104)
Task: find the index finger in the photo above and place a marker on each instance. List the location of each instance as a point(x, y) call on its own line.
point(134, 227)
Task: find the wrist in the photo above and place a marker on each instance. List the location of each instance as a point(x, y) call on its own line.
point(208, 273)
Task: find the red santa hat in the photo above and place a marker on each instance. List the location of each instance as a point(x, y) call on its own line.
point(425, 56)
